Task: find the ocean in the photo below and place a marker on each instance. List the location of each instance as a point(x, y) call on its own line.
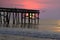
point(46, 30)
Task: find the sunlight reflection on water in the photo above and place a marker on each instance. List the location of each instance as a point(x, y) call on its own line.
point(53, 28)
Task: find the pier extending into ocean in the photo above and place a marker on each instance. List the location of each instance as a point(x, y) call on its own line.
point(26, 23)
point(16, 16)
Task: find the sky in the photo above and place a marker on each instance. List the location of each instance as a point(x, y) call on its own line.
point(49, 9)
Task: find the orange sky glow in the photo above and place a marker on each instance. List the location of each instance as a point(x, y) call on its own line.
point(31, 5)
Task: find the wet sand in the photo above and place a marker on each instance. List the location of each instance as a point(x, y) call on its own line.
point(13, 37)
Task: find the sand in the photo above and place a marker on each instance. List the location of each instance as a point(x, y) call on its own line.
point(15, 37)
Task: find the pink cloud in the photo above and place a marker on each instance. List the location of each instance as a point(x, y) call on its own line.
point(30, 4)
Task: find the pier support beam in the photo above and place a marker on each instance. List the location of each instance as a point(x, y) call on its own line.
point(18, 18)
point(13, 18)
point(0, 18)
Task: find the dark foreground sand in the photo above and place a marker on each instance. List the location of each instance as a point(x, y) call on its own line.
point(14, 37)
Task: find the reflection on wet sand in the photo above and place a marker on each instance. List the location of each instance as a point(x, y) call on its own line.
point(31, 26)
point(56, 29)
point(45, 25)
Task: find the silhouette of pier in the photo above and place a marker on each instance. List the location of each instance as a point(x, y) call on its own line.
point(17, 16)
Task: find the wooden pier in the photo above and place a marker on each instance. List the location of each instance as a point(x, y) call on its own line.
point(17, 16)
